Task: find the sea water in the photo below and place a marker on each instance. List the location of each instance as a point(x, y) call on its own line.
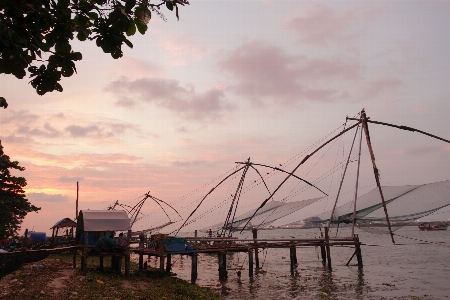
point(416, 267)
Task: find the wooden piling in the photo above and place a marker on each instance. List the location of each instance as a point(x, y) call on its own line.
point(327, 247)
point(196, 233)
point(250, 262)
point(293, 257)
point(222, 265)
point(141, 261)
point(324, 254)
point(168, 263)
point(161, 263)
point(100, 258)
point(194, 268)
point(358, 252)
point(255, 236)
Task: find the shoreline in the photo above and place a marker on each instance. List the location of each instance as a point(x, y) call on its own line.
point(54, 278)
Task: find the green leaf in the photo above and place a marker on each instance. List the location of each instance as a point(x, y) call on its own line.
point(92, 15)
point(169, 5)
point(142, 28)
point(132, 28)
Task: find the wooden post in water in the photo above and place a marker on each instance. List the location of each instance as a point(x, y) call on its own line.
point(250, 262)
point(324, 254)
point(196, 233)
point(255, 236)
point(327, 243)
point(169, 263)
point(293, 257)
point(222, 265)
point(358, 252)
point(127, 255)
point(161, 263)
point(194, 268)
point(141, 261)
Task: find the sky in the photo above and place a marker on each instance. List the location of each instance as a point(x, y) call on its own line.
point(232, 80)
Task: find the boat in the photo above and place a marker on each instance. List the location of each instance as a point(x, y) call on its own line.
point(428, 226)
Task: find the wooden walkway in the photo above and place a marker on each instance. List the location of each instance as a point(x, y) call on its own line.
point(222, 246)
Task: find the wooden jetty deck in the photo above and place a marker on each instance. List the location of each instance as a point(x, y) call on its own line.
point(222, 246)
point(219, 246)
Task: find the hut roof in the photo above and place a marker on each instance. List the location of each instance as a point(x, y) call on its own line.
point(103, 220)
point(66, 222)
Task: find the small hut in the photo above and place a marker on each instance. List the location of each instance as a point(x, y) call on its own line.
point(67, 224)
point(94, 224)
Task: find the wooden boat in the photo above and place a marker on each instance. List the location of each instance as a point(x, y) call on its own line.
point(427, 226)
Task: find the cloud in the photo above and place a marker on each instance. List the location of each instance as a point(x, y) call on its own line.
point(82, 131)
point(264, 71)
point(70, 179)
point(43, 197)
point(321, 25)
point(46, 131)
point(169, 94)
point(134, 68)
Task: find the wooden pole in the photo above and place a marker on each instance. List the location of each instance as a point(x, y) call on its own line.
point(101, 262)
point(327, 247)
point(161, 263)
point(255, 237)
point(76, 205)
point(196, 233)
point(224, 259)
point(169, 263)
point(222, 267)
point(358, 252)
point(375, 171)
point(250, 262)
point(194, 268)
point(141, 261)
point(127, 255)
point(324, 254)
point(293, 257)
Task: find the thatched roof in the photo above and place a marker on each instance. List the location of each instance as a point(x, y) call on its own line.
point(66, 222)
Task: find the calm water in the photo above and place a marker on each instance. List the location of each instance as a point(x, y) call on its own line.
point(409, 270)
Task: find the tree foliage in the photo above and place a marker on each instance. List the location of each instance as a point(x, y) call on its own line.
point(36, 35)
point(13, 203)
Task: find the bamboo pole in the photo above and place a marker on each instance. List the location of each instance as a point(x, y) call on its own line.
point(194, 268)
point(356, 187)
point(327, 247)
point(250, 262)
point(169, 263)
point(255, 237)
point(375, 170)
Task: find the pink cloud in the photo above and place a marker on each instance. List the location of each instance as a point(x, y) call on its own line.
point(385, 84)
point(264, 70)
point(169, 94)
point(320, 25)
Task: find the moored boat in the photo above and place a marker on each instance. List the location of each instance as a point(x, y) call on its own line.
point(428, 226)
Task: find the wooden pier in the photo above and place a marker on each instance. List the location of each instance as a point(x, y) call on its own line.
point(222, 246)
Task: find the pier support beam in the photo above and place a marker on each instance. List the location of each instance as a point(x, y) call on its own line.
point(194, 268)
point(169, 263)
point(255, 236)
point(293, 258)
point(222, 259)
point(327, 247)
point(324, 254)
point(250, 262)
point(161, 263)
point(141, 261)
point(358, 252)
